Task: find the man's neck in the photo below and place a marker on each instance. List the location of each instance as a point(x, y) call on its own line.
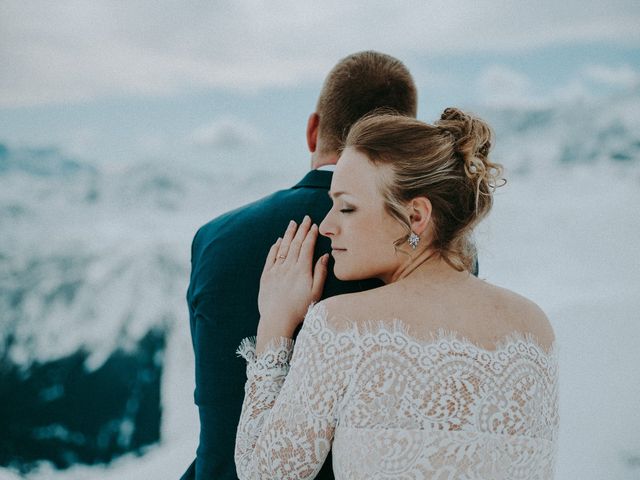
point(317, 162)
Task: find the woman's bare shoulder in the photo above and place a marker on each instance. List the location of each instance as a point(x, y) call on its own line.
point(522, 314)
point(503, 311)
point(346, 310)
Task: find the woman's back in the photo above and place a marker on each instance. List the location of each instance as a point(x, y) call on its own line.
point(425, 403)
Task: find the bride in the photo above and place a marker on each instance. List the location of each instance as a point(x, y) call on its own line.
point(437, 374)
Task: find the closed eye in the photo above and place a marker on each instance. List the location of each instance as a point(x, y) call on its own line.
point(347, 210)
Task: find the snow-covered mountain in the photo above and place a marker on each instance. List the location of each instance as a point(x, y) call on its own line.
point(93, 271)
point(602, 131)
point(94, 263)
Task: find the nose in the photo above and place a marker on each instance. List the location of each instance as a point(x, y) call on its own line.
point(326, 227)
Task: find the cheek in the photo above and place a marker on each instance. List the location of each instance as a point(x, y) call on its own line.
point(372, 232)
point(381, 233)
point(375, 248)
point(370, 239)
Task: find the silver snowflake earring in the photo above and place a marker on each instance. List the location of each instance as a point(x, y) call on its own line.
point(414, 239)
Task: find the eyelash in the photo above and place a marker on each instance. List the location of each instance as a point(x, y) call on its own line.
point(347, 210)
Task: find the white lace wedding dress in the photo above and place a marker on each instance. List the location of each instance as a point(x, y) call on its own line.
point(395, 407)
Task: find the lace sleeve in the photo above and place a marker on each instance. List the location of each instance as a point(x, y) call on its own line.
point(289, 411)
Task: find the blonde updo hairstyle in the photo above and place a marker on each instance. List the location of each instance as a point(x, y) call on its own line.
point(447, 162)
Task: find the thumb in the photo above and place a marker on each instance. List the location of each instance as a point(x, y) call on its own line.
point(319, 276)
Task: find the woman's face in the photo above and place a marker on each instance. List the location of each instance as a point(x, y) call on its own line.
point(362, 233)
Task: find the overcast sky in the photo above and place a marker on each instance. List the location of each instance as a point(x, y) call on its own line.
point(90, 75)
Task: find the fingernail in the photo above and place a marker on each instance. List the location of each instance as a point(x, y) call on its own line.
point(292, 223)
point(307, 218)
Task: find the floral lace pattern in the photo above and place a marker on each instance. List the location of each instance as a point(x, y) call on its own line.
point(393, 406)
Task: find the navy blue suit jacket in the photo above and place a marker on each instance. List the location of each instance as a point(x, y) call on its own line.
point(227, 258)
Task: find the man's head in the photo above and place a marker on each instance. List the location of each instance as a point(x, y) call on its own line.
point(357, 85)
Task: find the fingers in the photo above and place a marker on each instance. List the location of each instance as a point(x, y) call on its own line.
point(273, 253)
point(298, 240)
point(309, 243)
point(283, 250)
point(319, 276)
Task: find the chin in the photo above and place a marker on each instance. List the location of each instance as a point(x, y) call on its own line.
point(347, 275)
point(342, 277)
point(342, 274)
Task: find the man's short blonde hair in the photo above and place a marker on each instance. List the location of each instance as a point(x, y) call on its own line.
point(357, 85)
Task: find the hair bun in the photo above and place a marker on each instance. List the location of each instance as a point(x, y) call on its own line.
point(453, 114)
point(472, 136)
point(472, 139)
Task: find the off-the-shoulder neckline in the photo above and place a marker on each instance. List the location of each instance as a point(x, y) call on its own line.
point(439, 336)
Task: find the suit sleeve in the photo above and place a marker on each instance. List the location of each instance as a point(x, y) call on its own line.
point(214, 303)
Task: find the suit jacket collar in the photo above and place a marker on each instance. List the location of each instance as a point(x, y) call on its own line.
point(316, 179)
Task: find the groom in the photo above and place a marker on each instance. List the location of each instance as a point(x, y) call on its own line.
point(228, 253)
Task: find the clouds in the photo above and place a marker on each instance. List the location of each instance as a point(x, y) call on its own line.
point(75, 51)
point(78, 51)
point(502, 86)
point(499, 85)
point(623, 76)
point(225, 133)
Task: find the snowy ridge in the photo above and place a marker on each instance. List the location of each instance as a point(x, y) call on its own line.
point(93, 257)
point(599, 132)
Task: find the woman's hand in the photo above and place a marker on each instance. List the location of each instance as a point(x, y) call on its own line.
point(289, 283)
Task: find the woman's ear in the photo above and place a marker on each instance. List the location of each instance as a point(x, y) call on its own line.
point(420, 214)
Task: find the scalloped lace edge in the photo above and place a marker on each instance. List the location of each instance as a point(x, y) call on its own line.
point(397, 326)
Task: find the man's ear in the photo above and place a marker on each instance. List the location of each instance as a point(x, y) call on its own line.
point(420, 215)
point(313, 125)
